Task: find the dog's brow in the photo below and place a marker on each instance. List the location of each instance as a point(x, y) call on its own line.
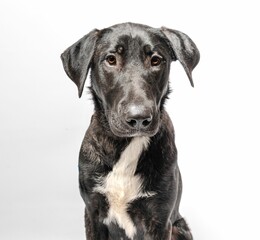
point(148, 49)
point(120, 49)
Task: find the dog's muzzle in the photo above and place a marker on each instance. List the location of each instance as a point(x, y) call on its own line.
point(134, 120)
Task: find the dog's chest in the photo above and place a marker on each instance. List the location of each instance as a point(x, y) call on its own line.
point(121, 186)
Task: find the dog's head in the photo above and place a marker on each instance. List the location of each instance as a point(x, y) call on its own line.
point(130, 66)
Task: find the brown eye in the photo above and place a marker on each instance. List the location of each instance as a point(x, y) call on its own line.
point(156, 61)
point(111, 60)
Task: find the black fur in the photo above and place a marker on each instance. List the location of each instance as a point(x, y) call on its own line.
point(130, 66)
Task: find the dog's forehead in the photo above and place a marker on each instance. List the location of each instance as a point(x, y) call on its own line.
point(128, 34)
point(133, 31)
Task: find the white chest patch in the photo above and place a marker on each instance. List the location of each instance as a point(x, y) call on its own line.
point(121, 186)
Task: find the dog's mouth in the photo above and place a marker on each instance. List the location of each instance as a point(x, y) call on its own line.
point(122, 128)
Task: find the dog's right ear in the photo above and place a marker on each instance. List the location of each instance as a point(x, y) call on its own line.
point(77, 59)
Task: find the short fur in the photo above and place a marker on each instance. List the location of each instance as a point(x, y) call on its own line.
point(128, 172)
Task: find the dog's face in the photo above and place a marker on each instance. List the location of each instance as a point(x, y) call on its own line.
point(130, 75)
point(130, 66)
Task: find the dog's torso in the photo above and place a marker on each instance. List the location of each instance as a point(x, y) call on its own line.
point(135, 183)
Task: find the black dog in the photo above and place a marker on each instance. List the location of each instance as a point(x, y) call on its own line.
point(128, 172)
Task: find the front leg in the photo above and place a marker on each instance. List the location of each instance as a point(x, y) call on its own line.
point(159, 231)
point(180, 230)
point(95, 230)
point(95, 213)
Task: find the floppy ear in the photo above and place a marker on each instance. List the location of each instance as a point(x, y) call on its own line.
point(184, 50)
point(77, 59)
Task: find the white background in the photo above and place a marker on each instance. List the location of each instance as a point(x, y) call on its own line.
point(42, 121)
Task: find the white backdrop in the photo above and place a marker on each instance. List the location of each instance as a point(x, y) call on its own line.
point(43, 121)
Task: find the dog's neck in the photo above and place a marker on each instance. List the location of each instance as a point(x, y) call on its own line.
point(97, 101)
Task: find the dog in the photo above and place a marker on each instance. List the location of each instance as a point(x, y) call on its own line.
point(128, 173)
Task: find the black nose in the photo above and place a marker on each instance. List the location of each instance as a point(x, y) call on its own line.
point(138, 117)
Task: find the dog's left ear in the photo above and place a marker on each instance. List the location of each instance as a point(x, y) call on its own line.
point(184, 50)
point(77, 59)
